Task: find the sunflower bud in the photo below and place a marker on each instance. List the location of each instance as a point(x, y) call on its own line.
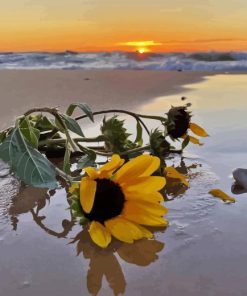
point(178, 121)
point(159, 146)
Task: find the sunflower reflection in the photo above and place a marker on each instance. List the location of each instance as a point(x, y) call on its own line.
point(104, 262)
point(174, 187)
point(33, 200)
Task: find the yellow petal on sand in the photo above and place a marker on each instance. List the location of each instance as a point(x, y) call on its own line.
point(73, 188)
point(172, 173)
point(140, 166)
point(124, 230)
point(113, 164)
point(222, 195)
point(140, 196)
point(198, 130)
point(87, 193)
point(140, 215)
point(99, 234)
point(145, 185)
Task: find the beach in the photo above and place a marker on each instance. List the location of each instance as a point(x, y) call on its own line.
point(25, 89)
point(202, 252)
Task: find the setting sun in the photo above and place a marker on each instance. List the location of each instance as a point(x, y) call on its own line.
point(140, 46)
point(142, 50)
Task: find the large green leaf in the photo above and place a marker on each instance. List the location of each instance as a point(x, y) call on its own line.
point(30, 133)
point(28, 163)
point(83, 106)
point(72, 125)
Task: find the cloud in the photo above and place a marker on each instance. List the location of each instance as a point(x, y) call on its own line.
point(205, 40)
point(140, 43)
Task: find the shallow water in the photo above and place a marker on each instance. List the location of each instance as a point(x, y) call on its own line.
point(203, 252)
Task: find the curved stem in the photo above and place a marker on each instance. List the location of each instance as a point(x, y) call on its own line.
point(154, 117)
point(137, 118)
point(62, 174)
point(99, 138)
point(138, 149)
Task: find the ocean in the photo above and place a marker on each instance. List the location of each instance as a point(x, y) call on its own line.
point(197, 61)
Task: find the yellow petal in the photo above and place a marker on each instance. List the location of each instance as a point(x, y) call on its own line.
point(99, 234)
point(87, 193)
point(172, 173)
point(144, 207)
point(140, 196)
point(91, 172)
point(198, 130)
point(73, 188)
point(146, 233)
point(145, 185)
point(222, 195)
point(112, 165)
point(195, 141)
point(142, 216)
point(148, 220)
point(141, 166)
point(124, 230)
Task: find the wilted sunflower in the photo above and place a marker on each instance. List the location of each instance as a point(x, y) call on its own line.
point(179, 119)
point(116, 204)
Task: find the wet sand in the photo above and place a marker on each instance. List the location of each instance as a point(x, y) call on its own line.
point(203, 252)
point(24, 89)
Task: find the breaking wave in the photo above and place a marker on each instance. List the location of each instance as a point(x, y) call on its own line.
point(198, 61)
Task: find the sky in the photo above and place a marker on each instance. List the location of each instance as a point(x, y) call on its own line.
point(111, 25)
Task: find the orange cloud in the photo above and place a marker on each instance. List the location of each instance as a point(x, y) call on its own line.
point(140, 43)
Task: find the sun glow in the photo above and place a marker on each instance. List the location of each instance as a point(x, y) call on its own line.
point(140, 46)
point(142, 50)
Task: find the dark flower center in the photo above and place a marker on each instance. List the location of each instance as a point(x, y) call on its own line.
point(180, 118)
point(108, 203)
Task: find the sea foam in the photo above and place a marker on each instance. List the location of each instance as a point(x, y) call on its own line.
point(197, 61)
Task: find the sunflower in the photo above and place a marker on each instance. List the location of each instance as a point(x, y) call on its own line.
point(179, 119)
point(117, 199)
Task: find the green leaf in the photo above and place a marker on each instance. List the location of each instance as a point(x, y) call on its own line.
point(84, 107)
point(30, 133)
point(72, 125)
point(185, 142)
point(45, 124)
point(2, 136)
point(139, 139)
point(66, 161)
point(28, 163)
point(87, 160)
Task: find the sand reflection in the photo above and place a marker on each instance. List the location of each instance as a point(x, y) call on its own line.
point(105, 263)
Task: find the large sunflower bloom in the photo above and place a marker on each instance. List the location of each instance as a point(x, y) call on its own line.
point(116, 204)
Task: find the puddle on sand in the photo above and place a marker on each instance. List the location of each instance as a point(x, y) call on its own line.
point(203, 252)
